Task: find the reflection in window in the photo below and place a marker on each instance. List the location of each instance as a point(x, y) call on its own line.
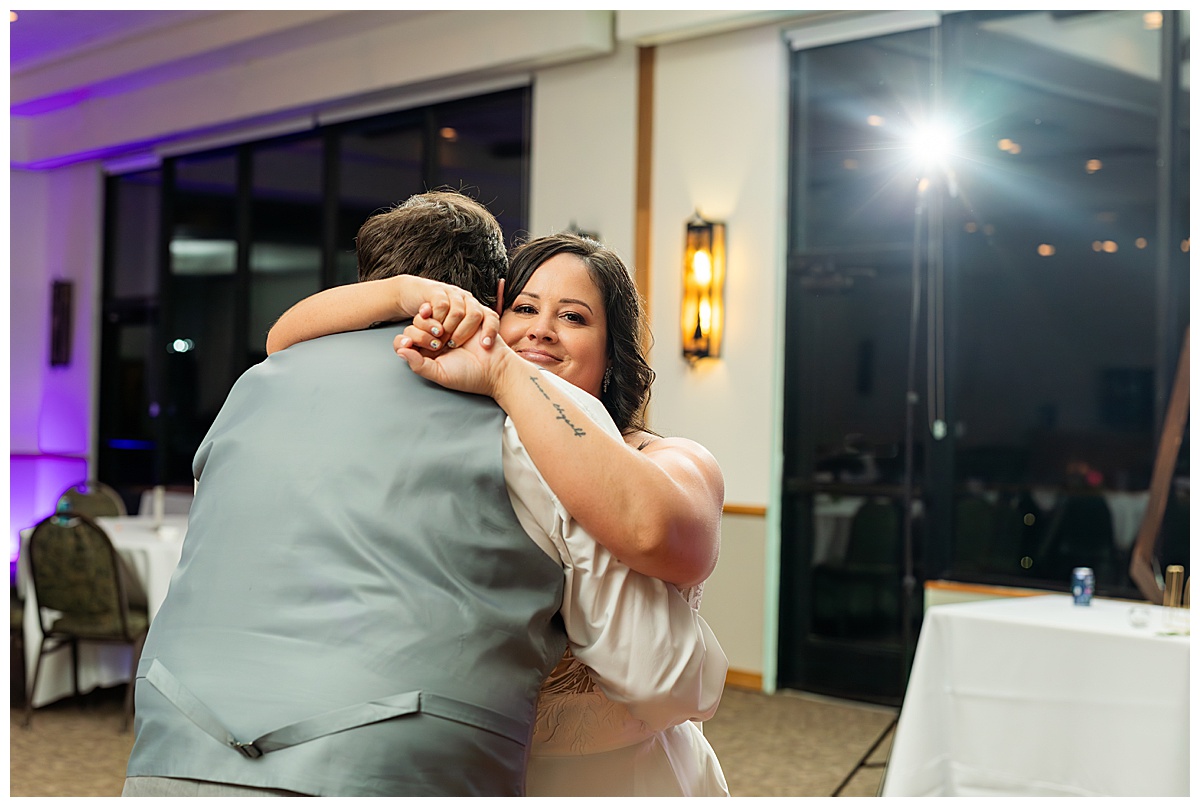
point(249, 231)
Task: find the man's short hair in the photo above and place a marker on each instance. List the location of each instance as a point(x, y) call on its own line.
point(441, 235)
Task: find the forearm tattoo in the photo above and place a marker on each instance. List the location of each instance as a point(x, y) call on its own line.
point(578, 432)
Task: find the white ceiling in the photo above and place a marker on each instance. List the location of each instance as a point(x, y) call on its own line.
point(40, 37)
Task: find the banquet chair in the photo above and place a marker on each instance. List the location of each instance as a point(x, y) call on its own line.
point(92, 498)
point(84, 593)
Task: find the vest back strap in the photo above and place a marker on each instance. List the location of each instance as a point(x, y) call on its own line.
point(360, 714)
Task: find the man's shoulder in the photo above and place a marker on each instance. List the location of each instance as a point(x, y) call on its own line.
point(333, 341)
point(333, 349)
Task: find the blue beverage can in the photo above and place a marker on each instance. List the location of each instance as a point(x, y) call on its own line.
point(1083, 584)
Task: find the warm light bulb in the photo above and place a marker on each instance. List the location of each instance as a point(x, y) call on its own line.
point(702, 268)
point(705, 316)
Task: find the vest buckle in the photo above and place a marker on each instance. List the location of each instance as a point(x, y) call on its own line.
point(248, 750)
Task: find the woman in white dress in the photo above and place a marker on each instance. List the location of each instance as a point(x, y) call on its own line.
point(570, 307)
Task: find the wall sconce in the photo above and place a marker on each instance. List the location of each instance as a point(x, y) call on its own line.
point(702, 318)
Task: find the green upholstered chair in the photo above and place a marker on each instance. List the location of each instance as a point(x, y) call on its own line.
point(84, 593)
point(92, 498)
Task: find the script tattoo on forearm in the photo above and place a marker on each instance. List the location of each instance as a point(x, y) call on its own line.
point(578, 432)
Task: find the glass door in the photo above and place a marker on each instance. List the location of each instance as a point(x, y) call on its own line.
point(855, 464)
point(987, 296)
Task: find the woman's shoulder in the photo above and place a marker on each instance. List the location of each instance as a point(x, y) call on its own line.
point(650, 443)
point(639, 439)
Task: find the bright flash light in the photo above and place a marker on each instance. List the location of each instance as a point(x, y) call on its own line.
point(931, 144)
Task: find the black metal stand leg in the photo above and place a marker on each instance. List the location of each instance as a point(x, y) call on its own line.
point(862, 762)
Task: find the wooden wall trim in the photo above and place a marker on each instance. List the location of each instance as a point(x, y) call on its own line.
point(980, 588)
point(744, 679)
point(744, 510)
point(643, 171)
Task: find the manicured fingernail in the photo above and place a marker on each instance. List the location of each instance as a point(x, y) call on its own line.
point(451, 344)
point(487, 341)
point(434, 344)
point(436, 331)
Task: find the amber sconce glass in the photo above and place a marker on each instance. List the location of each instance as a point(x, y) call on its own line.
point(702, 318)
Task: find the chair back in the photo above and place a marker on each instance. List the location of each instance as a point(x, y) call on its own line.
point(91, 498)
point(76, 571)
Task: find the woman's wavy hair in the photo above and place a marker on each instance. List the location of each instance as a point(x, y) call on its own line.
point(629, 385)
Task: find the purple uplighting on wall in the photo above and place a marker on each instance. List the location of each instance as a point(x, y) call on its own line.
point(35, 483)
point(62, 421)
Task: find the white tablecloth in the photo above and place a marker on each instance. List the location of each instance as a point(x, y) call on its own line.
point(152, 553)
point(1035, 696)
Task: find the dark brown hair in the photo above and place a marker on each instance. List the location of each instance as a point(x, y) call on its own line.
point(629, 385)
point(442, 235)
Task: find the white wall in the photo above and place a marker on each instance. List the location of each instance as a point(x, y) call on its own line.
point(719, 147)
point(584, 149)
point(55, 234)
point(720, 132)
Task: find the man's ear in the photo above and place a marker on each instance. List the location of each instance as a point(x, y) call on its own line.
point(500, 297)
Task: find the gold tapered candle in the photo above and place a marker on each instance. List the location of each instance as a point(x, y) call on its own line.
point(1173, 593)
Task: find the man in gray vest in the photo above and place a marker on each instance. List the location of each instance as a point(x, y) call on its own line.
point(371, 587)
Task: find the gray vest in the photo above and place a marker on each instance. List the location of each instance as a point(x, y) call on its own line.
point(357, 610)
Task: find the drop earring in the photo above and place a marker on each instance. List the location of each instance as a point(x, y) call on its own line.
point(607, 378)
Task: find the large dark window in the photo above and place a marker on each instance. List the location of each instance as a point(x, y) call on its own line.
point(204, 254)
point(987, 295)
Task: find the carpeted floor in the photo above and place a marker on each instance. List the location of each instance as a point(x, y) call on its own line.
point(787, 744)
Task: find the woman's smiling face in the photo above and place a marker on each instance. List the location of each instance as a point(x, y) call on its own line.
point(558, 322)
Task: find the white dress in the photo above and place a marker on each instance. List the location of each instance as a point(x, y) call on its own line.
point(586, 745)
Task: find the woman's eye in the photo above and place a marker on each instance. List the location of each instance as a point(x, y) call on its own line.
point(571, 316)
point(524, 309)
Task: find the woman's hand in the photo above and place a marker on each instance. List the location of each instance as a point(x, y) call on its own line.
point(472, 366)
point(445, 316)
